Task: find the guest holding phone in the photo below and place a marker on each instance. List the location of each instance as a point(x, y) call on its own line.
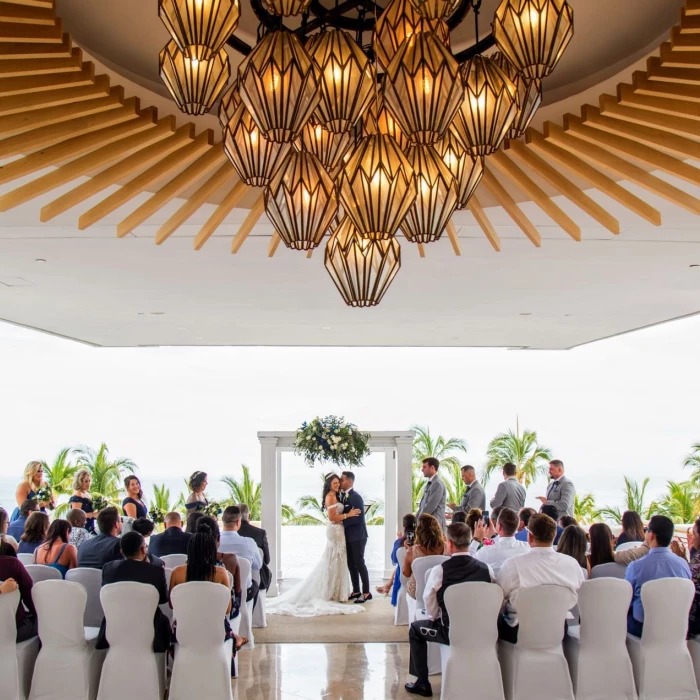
point(408, 535)
point(429, 540)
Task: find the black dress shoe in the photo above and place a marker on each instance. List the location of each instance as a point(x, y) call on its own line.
point(419, 688)
point(355, 596)
point(362, 599)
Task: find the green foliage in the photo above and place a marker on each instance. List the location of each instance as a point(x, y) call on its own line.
point(59, 474)
point(447, 451)
point(310, 512)
point(331, 439)
point(635, 497)
point(375, 513)
point(692, 460)
point(245, 490)
point(106, 473)
point(585, 510)
point(681, 502)
point(417, 486)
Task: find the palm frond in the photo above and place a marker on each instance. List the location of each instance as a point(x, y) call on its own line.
point(245, 490)
point(521, 449)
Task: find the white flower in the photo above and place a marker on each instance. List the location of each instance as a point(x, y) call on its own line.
point(333, 447)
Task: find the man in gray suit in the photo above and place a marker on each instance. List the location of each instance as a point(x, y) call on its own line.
point(474, 496)
point(510, 493)
point(560, 492)
point(433, 500)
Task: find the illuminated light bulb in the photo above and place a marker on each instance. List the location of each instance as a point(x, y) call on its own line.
point(318, 132)
point(426, 85)
point(337, 74)
point(254, 137)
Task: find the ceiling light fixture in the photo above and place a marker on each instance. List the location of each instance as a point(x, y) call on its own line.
point(529, 95)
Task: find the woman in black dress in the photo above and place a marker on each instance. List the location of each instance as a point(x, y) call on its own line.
point(197, 501)
point(81, 497)
point(133, 505)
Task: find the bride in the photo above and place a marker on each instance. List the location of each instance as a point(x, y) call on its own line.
point(328, 581)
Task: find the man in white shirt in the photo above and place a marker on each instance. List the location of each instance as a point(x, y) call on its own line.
point(541, 565)
point(232, 543)
point(505, 546)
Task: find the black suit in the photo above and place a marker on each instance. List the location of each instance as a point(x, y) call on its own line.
point(172, 541)
point(259, 536)
point(140, 572)
point(98, 551)
point(356, 541)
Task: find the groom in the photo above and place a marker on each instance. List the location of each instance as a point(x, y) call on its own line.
point(355, 539)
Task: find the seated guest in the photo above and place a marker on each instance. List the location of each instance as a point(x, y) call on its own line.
point(12, 568)
point(97, 551)
point(4, 524)
point(197, 500)
point(16, 528)
point(574, 543)
point(79, 533)
point(145, 527)
point(232, 543)
point(56, 551)
point(34, 534)
point(629, 555)
point(524, 516)
point(133, 505)
point(505, 545)
point(192, 520)
point(474, 517)
point(259, 536)
point(172, 540)
point(566, 520)
point(541, 565)
point(459, 517)
point(135, 567)
point(632, 528)
point(226, 560)
point(661, 562)
point(81, 498)
point(602, 543)
point(694, 618)
point(553, 513)
point(408, 525)
point(459, 568)
point(429, 540)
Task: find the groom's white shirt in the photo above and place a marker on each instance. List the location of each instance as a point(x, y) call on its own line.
point(232, 543)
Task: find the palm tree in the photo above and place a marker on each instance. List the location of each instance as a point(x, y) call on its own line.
point(634, 500)
point(375, 513)
point(417, 486)
point(424, 446)
point(106, 473)
point(244, 491)
point(521, 449)
point(585, 510)
point(59, 475)
point(316, 516)
point(681, 503)
point(692, 460)
point(161, 499)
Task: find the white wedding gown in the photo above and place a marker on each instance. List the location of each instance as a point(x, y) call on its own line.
point(326, 589)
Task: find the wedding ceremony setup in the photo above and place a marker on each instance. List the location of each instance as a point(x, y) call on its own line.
point(452, 174)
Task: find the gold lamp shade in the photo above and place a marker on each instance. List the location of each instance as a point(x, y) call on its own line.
point(286, 8)
point(377, 187)
point(469, 173)
point(489, 108)
point(361, 269)
point(450, 149)
point(422, 88)
point(383, 124)
point(278, 86)
point(346, 80)
point(529, 95)
point(435, 9)
point(436, 199)
point(254, 157)
point(200, 28)
point(195, 85)
point(329, 147)
point(399, 21)
point(300, 201)
point(533, 33)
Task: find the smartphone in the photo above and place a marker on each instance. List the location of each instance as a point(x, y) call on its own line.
point(487, 520)
point(410, 537)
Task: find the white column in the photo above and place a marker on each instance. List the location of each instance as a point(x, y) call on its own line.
point(270, 503)
point(278, 496)
point(390, 509)
point(404, 459)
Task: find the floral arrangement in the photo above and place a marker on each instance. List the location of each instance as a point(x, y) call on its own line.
point(331, 439)
point(98, 502)
point(213, 508)
point(156, 515)
point(43, 494)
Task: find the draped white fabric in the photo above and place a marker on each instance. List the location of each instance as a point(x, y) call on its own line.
point(40, 572)
point(401, 612)
point(173, 560)
point(91, 581)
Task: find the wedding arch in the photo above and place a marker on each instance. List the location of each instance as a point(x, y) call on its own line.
point(397, 448)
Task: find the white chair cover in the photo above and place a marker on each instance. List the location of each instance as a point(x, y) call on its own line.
point(598, 660)
point(611, 570)
point(68, 668)
point(470, 668)
point(130, 669)
point(421, 570)
point(401, 609)
point(165, 607)
point(694, 649)
point(627, 545)
point(259, 616)
point(202, 667)
point(536, 666)
point(16, 660)
point(662, 665)
point(26, 558)
point(173, 560)
point(419, 567)
point(40, 572)
point(244, 621)
point(91, 581)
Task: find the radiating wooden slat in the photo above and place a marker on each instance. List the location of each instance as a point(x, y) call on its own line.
point(229, 202)
point(81, 166)
point(657, 71)
point(19, 67)
point(677, 59)
point(36, 50)
point(274, 243)
point(665, 88)
point(75, 147)
point(421, 250)
point(32, 3)
point(563, 184)
point(526, 185)
point(621, 167)
point(193, 172)
point(681, 41)
point(10, 12)
point(692, 7)
point(309, 253)
point(454, 238)
point(163, 143)
point(20, 33)
point(134, 187)
point(690, 23)
point(500, 194)
point(208, 188)
point(248, 223)
point(626, 95)
point(55, 133)
point(486, 226)
point(42, 83)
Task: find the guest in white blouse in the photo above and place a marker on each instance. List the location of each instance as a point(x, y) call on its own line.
point(505, 545)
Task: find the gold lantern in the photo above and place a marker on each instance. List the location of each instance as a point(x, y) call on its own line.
point(533, 33)
point(435, 9)
point(361, 269)
point(286, 8)
point(383, 123)
point(529, 95)
point(399, 21)
point(436, 199)
point(450, 149)
point(254, 157)
point(278, 86)
point(422, 88)
point(300, 201)
point(469, 173)
point(377, 187)
point(346, 80)
point(489, 108)
point(195, 85)
point(200, 28)
point(329, 147)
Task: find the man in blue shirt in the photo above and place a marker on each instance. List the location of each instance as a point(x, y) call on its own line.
point(552, 512)
point(525, 514)
point(16, 528)
point(232, 543)
point(661, 562)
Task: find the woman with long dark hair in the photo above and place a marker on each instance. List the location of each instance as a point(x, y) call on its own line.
point(133, 505)
point(602, 545)
point(56, 551)
point(34, 534)
point(573, 542)
point(4, 524)
point(197, 500)
point(429, 541)
point(632, 528)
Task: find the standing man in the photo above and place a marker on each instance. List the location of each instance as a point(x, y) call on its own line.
point(259, 536)
point(560, 492)
point(355, 539)
point(434, 495)
point(510, 493)
point(473, 496)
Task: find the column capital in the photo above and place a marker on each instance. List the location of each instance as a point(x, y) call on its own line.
point(404, 441)
point(268, 440)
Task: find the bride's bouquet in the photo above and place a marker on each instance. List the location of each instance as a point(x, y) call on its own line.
point(331, 439)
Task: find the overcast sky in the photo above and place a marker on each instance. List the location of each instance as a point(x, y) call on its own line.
point(623, 406)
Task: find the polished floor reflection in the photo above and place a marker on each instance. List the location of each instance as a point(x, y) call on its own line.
point(312, 671)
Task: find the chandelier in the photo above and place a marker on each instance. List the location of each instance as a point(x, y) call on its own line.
point(360, 121)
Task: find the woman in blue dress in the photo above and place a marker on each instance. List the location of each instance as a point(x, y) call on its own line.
point(56, 551)
point(81, 498)
point(197, 501)
point(133, 505)
point(32, 482)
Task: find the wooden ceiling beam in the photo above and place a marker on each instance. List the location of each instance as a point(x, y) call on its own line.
point(626, 95)
point(229, 202)
point(690, 23)
point(248, 223)
point(684, 41)
point(687, 92)
point(17, 68)
point(11, 12)
point(37, 50)
point(274, 243)
point(677, 59)
point(454, 238)
point(52, 81)
point(213, 158)
point(658, 71)
point(484, 224)
point(32, 3)
point(310, 252)
point(141, 182)
point(22, 33)
point(692, 7)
